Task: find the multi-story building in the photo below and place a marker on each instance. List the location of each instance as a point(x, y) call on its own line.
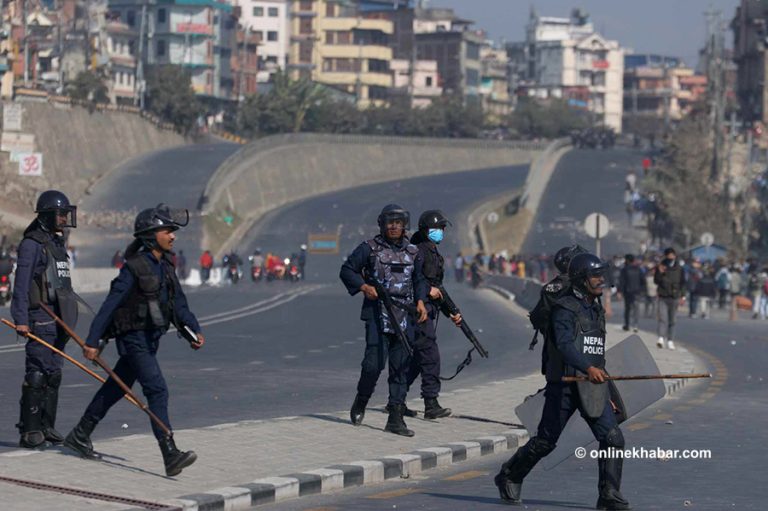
point(121, 52)
point(420, 83)
point(750, 32)
point(660, 87)
point(449, 40)
point(494, 87)
point(569, 60)
point(246, 63)
point(269, 20)
point(195, 34)
point(335, 44)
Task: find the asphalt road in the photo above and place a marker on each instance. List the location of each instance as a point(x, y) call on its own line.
point(721, 415)
point(299, 353)
point(173, 176)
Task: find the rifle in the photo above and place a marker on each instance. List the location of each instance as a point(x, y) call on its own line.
point(449, 308)
point(389, 306)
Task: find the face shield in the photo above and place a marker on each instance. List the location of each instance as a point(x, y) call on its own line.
point(165, 215)
point(59, 218)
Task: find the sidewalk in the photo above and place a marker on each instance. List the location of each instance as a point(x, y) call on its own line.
point(253, 462)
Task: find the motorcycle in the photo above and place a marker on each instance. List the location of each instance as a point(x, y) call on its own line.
point(5, 290)
point(293, 273)
point(277, 272)
point(234, 273)
point(256, 273)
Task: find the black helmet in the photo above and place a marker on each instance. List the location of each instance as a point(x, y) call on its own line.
point(433, 219)
point(564, 255)
point(583, 266)
point(392, 212)
point(161, 216)
point(53, 203)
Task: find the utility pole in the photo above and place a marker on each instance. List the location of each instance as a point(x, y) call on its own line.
point(716, 86)
point(26, 42)
point(139, 78)
point(243, 60)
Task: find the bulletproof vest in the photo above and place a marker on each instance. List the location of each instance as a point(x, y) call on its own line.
point(434, 264)
point(144, 309)
point(589, 341)
point(54, 285)
point(540, 315)
point(393, 268)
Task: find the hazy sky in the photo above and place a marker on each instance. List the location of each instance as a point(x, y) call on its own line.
point(674, 27)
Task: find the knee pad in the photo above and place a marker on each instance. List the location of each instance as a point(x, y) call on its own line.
point(541, 447)
point(54, 380)
point(35, 379)
point(614, 438)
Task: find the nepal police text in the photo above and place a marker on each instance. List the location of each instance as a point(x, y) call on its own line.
point(62, 269)
point(594, 346)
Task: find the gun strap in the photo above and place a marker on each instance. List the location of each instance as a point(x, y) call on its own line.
point(460, 367)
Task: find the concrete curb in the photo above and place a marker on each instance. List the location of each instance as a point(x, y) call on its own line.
point(356, 473)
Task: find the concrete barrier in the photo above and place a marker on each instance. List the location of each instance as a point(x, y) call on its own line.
point(274, 171)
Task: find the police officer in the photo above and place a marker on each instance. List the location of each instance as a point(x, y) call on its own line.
point(390, 259)
point(426, 354)
point(143, 301)
point(577, 347)
point(42, 276)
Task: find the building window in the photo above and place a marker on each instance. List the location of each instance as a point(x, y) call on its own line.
point(272, 35)
point(305, 5)
point(272, 11)
point(161, 15)
point(305, 26)
point(160, 48)
point(343, 37)
point(258, 11)
point(329, 37)
point(378, 66)
point(473, 78)
point(473, 51)
point(305, 51)
point(428, 81)
point(131, 18)
point(330, 10)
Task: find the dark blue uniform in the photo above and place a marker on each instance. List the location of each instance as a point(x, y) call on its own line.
point(30, 265)
point(380, 346)
point(137, 348)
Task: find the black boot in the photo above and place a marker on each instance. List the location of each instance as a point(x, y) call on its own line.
point(357, 412)
point(175, 460)
point(395, 422)
point(510, 479)
point(610, 498)
point(49, 409)
point(79, 439)
point(407, 413)
point(433, 410)
point(31, 414)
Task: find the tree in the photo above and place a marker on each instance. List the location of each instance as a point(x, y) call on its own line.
point(88, 86)
point(170, 96)
point(534, 119)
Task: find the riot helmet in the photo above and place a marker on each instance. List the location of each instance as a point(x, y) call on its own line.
point(433, 219)
point(582, 267)
point(564, 255)
point(390, 213)
point(53, 204)
point(159, 217)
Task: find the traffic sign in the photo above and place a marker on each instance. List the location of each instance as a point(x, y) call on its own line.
point(707, 239)
point(596, 225)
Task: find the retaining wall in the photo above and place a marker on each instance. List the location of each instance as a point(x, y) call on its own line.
point(274, 171)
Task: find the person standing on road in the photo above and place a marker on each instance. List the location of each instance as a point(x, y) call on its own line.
point(389, 259)
point(43, 277)
point(670, 280)
point(302, 261)
point(723, 279)
point(577, 347)
point(426, 353)
point(143, 301)
point(632, 288)
point(206, 264)
point(458, 268)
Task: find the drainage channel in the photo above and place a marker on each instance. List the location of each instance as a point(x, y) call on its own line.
point(152, 506)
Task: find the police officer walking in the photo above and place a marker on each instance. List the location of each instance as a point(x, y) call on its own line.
point(43, 276)
point(577, 347)
point(426, 354)
point(389, 259)
point(143, 301)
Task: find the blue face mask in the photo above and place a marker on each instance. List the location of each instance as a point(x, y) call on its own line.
point(435, 235)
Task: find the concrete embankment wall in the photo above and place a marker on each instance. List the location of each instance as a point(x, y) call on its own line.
point(274, 171)
point(78, 147)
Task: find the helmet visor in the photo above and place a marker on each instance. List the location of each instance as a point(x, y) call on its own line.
point(171, 216)
point(61, 218)
point(394, 216)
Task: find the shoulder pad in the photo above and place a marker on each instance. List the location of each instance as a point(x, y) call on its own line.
point(138, 265)
point(38, 236)
point(553, 287)
point(375, 245)
point(412, 249)
point(569, 302)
